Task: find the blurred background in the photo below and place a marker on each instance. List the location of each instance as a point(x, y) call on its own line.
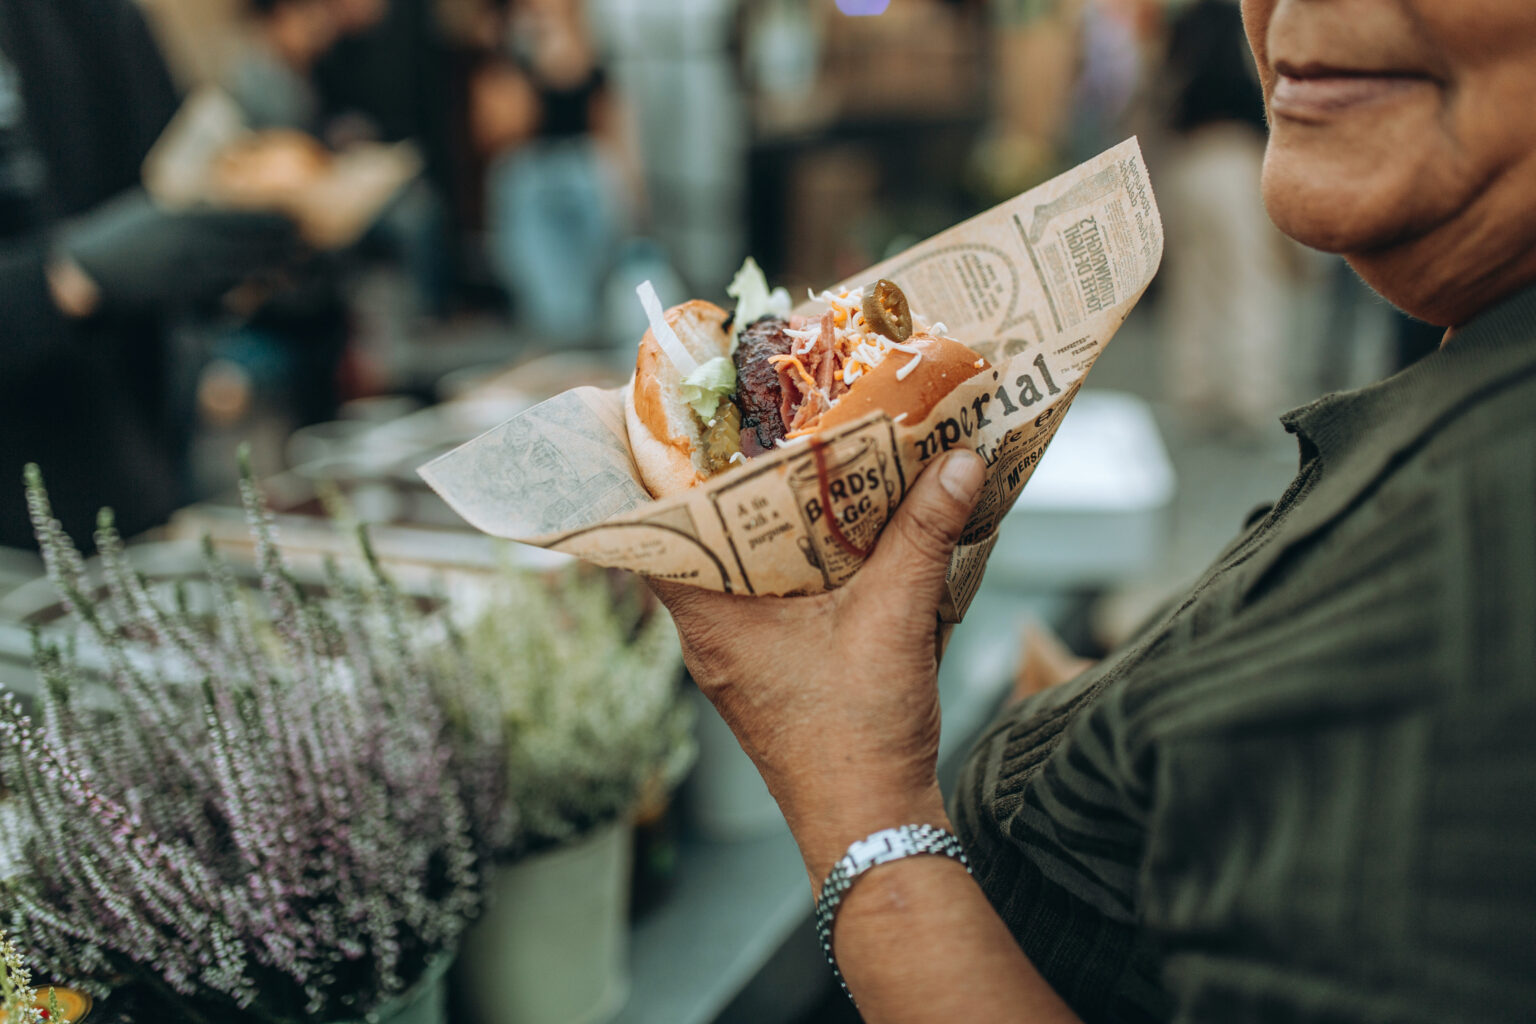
point(569, 149)
point(557, 153)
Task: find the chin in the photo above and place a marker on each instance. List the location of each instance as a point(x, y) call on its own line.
point(1337, 208)
point(1413, 277)
point(1378, 219)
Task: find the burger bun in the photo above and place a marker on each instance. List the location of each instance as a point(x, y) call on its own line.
point(945, 363)
point(664, 434)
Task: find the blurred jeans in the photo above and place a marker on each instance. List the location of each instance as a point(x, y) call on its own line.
point(555, 222)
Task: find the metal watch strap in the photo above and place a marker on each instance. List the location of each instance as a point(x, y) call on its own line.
point(885, 846)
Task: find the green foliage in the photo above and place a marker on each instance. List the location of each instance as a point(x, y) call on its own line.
point(584, 670)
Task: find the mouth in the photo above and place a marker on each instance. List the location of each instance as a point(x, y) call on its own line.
point(1314, 92)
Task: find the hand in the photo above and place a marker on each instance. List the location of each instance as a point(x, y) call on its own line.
point(835, 697)
point(138, 257)
point(1047, 662)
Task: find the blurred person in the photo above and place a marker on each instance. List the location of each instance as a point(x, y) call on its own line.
point(276, 80)
point(92, 272)
point(273, 81)
point(294, 345)
point(561, 202)
point(354, 17)
point(1110, 77)
point(391, 78)
point(1305, 791)
point(1037, 47)
point(1227, 274)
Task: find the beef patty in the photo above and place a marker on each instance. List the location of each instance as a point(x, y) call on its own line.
point(758, 390)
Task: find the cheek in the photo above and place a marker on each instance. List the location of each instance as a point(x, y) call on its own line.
point(1490, 118)
point(1373, 181)
point(1256, 17)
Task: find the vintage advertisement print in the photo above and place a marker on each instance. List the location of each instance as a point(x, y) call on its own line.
point(1038, 285)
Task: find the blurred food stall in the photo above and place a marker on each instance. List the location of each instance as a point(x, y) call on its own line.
point(862, 128)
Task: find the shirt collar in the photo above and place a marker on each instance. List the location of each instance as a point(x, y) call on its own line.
point(1381, 420)
point(1356, 437)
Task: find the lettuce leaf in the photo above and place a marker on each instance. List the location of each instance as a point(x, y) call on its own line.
point(704, 387)
point(753, 299)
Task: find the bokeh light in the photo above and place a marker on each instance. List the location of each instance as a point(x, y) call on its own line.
point(860, 8)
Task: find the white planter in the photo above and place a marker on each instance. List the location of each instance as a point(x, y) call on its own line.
point(553, 946)
point(725, 796)
point(425, 1003)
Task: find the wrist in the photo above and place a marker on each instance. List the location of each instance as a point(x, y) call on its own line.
point(825, 834)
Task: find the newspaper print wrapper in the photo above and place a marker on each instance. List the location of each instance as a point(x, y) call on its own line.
point(1038, 285)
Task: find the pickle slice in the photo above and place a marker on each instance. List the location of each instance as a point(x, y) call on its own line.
point(887, 313)
point(722, 437)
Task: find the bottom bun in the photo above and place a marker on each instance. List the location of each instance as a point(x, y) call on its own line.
point(663, 431)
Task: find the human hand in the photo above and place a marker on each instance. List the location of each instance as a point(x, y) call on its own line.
point(1047, 662)
point(835, 697)
point(139, 257)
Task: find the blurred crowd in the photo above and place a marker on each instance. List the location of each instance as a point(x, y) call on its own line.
point(567, 151)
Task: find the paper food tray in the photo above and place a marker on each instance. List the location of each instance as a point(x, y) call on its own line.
point(1038, 285)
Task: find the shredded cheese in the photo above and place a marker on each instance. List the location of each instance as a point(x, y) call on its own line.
point(857, 348)
point(906, 371)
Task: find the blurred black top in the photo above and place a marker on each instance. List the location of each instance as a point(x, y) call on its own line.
point(566, 110)
point(1306, 793)
point(84, 93)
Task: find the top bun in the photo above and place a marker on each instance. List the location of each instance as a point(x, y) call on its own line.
point(663, 431)
point(945, 364)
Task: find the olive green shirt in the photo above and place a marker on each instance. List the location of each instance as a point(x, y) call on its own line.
point(1307, 792)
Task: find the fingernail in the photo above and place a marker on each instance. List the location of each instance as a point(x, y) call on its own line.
point(961, 475)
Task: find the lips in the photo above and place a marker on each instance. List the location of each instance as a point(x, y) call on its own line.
point(1312, 92)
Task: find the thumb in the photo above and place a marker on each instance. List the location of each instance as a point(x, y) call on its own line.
point(915, 548)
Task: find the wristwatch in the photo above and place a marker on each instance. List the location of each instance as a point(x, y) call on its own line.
point(882, 847)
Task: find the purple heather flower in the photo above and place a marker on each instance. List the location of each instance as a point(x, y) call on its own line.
point(274, 824)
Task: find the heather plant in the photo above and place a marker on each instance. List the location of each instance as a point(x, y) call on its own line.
point(585, 671)
point(272, 825)
point(18, 999)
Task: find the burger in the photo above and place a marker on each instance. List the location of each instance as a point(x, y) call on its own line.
point(714, 389)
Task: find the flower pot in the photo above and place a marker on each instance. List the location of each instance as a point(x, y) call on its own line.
point(553, 946)
point(725, 796)
point(426, 1002)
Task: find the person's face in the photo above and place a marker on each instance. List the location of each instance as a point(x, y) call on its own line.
point(1403, 135)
